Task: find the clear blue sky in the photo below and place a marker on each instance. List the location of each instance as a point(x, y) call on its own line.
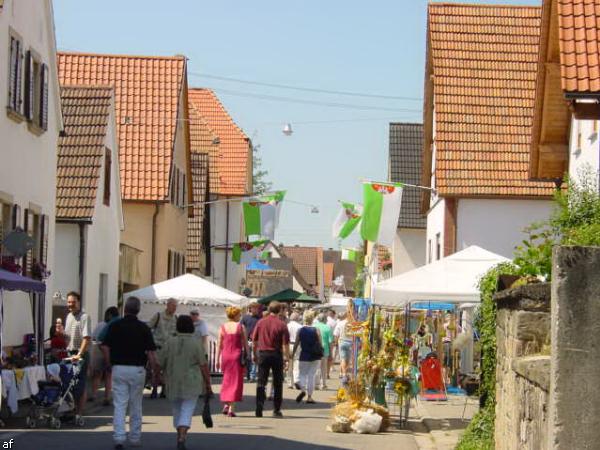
point(369, 47)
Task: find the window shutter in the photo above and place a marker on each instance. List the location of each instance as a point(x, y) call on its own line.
point(16, 216)
point(44, 240)
point(169, 264)
point(19, 79)
point(12, 81)
point(107, 173)
point(44, 97)
point(185, 200)
point(29, 86)
point(27, 224)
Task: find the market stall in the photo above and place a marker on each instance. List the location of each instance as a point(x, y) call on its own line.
point(439, 301)
point(20, 369)
point(191, 292)
point(289, 296)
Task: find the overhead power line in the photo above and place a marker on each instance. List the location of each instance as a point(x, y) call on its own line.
point(303, 88)
point(313, 102)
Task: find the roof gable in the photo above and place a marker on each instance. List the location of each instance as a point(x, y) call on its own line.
point(233, 165)
point(81, 148)
point(147, 94)
point(405, 161)
point(483, 63)
point(306, 262)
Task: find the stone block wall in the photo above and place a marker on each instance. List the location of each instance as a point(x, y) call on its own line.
point(522, 374)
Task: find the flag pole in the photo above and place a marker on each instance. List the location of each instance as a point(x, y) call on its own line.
point(391, 183)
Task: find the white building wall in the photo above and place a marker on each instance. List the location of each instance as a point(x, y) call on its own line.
point(28, 161)
point(584, 147)
point(435, 227)
point(220, 235)
point(497, 225)
point(408, 250)
point(66, 274)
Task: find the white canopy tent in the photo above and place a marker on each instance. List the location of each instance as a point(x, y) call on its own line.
point(452, 280)
point(192, 292)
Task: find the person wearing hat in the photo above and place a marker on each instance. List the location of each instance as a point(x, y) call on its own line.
point(200, 328)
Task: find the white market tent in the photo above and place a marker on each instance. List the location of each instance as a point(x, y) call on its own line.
point(451, 280)
point(191, 292)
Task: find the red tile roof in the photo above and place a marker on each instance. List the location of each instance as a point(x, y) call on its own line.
point(234, 163)
point(204, 140)
point(197, 224)
point(81, 148)
point(147, 93)
point(306, 261)
point(482, 61)
point(579, 34)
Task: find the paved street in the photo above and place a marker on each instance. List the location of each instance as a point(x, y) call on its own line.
point(303, 428)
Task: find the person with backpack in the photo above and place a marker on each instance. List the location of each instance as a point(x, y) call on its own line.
point(163, 325)
point(308, 339)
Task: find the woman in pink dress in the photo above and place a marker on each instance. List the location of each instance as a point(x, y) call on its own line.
point(232, 341)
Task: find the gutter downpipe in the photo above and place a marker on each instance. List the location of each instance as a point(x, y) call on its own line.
point(153, 262)
point(226, 244)
point(81, 258)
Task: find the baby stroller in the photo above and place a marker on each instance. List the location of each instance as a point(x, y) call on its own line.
point(55, 402)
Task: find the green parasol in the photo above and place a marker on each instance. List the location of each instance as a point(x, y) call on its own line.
point(289, 296)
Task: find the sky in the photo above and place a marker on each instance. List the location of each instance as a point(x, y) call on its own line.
point(375, 48)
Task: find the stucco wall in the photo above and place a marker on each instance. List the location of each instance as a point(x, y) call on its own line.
point(28, 162)
point(138, 234)
point(221, 257)
point(408, 250)
point(435, 225)
point(497, 225)
point(67, 258)
point(586, 154)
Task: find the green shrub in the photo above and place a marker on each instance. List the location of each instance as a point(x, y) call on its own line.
point(479, 435)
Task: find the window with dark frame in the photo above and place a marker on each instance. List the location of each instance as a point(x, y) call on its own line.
point(430, 248)
point(15, 97)
point(107, 176)
point(438, 246)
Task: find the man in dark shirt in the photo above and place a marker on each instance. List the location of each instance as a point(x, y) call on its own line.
point(249, 321)
point(271, 340)
point(127, 347)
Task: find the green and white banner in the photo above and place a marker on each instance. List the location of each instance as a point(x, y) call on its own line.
point(381, 211)
point(347, 220)
point(350, 254)
point(261, 215)
point(245, 252)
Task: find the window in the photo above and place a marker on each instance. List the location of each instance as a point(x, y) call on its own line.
point(32, 226)
point(429, 251)
point(5, 222)
point(178, 188)
point(438, 246)
point(107, 172)
point(102, 295)
point(15, 98)
point(176, 264)
point(36, 91)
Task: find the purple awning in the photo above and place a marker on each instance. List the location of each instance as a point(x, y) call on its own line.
point(15, 282)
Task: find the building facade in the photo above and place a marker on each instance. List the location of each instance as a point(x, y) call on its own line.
point(479, 104)
point(154, 157)
point(89, 215)
point(29, 126)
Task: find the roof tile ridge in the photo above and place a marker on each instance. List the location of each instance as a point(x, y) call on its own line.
point(119, 55)
point(202, 119)
point(435, 4)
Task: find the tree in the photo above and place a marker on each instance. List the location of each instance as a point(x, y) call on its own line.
point(260, 185)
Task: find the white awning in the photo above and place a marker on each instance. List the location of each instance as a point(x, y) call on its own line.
point(188, 289)
point(452, 279)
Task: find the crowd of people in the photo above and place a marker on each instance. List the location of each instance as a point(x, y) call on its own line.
point(170, 352)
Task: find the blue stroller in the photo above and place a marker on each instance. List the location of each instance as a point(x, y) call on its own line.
point(55, 402)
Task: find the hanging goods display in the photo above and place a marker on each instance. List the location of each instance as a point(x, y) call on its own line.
point(347, 220)
point(380, 212)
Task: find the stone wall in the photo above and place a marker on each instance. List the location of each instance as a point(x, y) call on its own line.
point(522, 374)
point(574, 390)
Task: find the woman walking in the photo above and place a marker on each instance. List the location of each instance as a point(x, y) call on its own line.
point(99, 369)
point(232, 353)
point(311, 352)
point(183, 362)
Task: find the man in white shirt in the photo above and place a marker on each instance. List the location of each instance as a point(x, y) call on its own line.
point(78, 328)
point(200, 328)
point(294, 326)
